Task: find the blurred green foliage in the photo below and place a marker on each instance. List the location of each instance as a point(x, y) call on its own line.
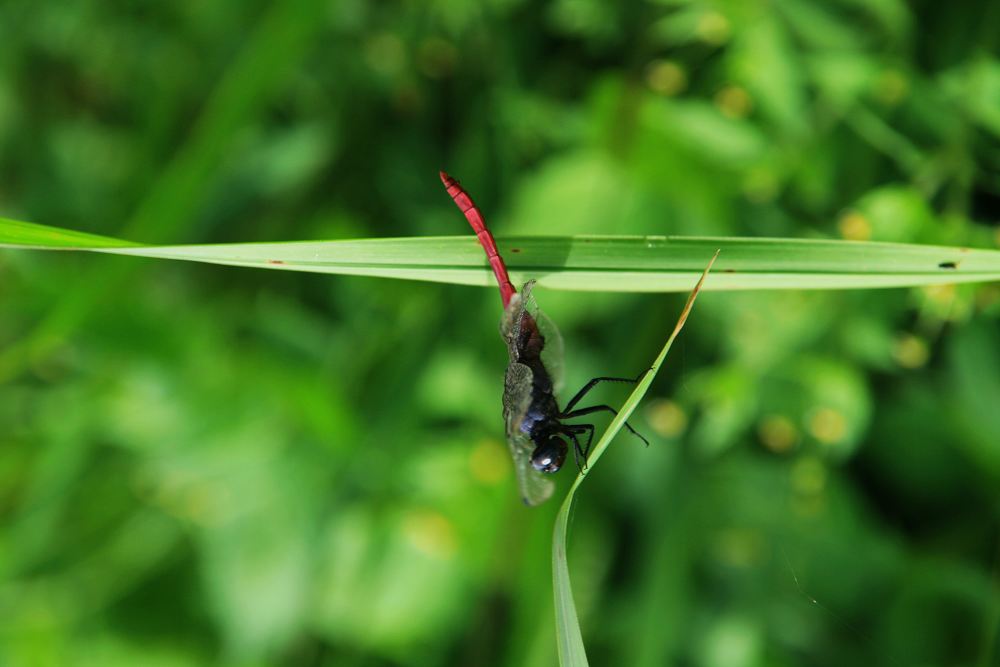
point(207, 465)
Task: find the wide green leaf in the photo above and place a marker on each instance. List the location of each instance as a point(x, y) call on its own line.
point(596, 263)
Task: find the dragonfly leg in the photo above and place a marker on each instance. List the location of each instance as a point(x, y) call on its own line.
point(602, 408)
point(578, 454)
point(580, 429)
point(596, 381)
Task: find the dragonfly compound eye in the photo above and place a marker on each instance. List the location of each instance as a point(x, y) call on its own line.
point(550, 456)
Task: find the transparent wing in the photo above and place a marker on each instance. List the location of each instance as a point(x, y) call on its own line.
point(516, 396)
point(552, 353)
point(522, 314)
point(535, 488)
point(512, 321)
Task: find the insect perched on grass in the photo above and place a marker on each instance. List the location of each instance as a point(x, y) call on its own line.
point(537, 434)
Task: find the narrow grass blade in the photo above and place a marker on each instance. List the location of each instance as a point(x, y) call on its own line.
point(17, 234)
point(569, 638)
point(592, 263)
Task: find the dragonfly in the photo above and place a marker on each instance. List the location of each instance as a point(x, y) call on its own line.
point(537, 431)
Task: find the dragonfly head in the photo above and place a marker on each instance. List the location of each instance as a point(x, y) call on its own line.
point(549, 456)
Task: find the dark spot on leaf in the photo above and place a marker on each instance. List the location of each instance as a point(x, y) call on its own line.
point(515, 250)
point(947, 265)
point(274, 261)
point(729, 270)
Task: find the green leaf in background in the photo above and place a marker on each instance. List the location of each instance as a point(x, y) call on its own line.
point(205, 465)
point(590, 263)
point(568, 635)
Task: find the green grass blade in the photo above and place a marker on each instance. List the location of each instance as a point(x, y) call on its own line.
point(595, 263)
point(17, 234)
point(568, 636)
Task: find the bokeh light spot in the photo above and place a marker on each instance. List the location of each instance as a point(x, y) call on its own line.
point(739, 547)
point(666, 417)
point(489, 463)
point(734, 102)
point(666, 77)
point(430, 533)
point(778, 433)
point(713, 28)
point(910, 351)
point(854, 227)
point(827, 425)
point(385, 54)
point(940, 294)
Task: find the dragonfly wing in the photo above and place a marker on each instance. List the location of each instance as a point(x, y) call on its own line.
point(535, 488)
point(522, 312)
point(552, 353)
point(516, 395)
point(511, 324)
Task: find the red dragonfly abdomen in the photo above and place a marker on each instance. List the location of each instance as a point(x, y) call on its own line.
point(475, 218)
